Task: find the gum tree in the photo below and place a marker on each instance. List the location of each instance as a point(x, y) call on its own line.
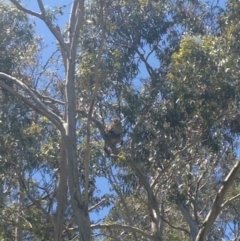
point(176, 127)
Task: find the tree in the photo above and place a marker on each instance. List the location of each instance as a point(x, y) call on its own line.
point(175, 171)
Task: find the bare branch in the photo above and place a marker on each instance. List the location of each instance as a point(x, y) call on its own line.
point(229, 200)
point(49, 24)
point(38, 105)
point(126, 228)
point(44, 68)
point(76, 24)
point(48, 98)
point(97, 205)
point(40, 4)
point(72, 20)
point(20, 7)
point(217, 205)
point(148, 66)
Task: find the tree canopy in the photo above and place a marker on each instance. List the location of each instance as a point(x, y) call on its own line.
point(128, 129)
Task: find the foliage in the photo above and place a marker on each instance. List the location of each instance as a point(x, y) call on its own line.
point(169, 71)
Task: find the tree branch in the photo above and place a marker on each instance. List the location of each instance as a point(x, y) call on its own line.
point(28, 11)
point(61, 194)
point(100, 127)
point(43, 17)
point(97, 85)
point(37, 203)
point(147, 65)
point(76, 25)
point(217, 205)
point(48, 98)
point(40, 4)
point(38, 105)
point(97, 204)
point(190, 221)
point(126, 228)
point(229, 200)
point(113, 182)
point(175, 227)
point(152, 202)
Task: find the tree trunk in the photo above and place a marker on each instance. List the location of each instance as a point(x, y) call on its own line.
point(79, 210)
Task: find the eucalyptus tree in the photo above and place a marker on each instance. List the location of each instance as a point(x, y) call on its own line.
point(160, 67)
